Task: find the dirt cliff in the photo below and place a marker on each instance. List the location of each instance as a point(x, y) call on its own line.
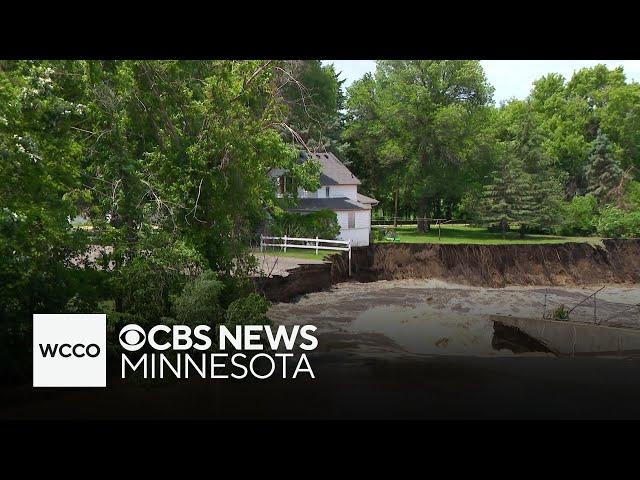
point(495, 265)
point(301, 280)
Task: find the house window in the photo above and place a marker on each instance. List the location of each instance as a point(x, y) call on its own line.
point(326, 192)
point(352, 220)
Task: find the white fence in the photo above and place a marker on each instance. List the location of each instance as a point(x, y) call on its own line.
point(309, 243)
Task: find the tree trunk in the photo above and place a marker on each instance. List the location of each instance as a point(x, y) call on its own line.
point(395, 212)
point(423, 223)
point(503, 225)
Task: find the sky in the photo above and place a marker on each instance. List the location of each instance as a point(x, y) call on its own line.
point(510, 78)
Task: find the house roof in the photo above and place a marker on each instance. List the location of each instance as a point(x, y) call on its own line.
point(333, 170)
point(366, 200)
point(337, 203)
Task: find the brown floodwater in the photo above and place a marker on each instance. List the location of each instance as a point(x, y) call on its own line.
point(417, 317)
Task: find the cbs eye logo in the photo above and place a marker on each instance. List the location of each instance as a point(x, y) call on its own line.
point(132, 337)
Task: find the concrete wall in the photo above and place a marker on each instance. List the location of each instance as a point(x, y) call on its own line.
point(573, 338)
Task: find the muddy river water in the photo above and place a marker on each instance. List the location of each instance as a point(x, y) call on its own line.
point(431, 317)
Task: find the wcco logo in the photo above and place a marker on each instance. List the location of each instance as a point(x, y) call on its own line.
point(69, 350)
point(78, 350)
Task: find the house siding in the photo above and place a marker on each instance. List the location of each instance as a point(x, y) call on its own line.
point(349, 191)
point(359, 235)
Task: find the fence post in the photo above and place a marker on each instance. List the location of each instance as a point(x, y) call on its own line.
point(285, 244)
point(316, 245)
point(349, 257)
point(261, 243)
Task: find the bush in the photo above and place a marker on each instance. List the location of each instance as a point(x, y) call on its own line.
point(631, 223)
point(611, 222)
point(579, 215)
point(378, 234)
point(199, 302)
point(142, 287)
point(322, 224)
point(633, 194)
point(145, 284)
point(560, 313)
point(250, 310)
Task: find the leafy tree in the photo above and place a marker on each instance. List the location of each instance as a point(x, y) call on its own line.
point(315, 97)
point(167, 160)
point(38, 166)
point(603, 172)
point(426, 138)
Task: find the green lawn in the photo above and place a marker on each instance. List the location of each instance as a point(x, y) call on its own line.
point(305, 253)
point(468, 234)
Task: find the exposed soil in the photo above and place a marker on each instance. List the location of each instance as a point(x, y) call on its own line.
point(496, 265)
point(270, 265)
point(298, 281)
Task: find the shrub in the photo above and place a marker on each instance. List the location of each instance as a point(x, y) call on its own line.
point(141, 287)
point(145, 284)
point(560, 313)
point(611, 222)
point(633, 194)
point(579, 215)
point(322, 224)
point(250, 310)
point(199, 302)
point(378, 234)
point(631, 223)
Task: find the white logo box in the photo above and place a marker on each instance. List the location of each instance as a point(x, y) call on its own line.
point(74, 337)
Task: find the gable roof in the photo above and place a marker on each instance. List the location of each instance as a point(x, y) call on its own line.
point(333, 170)
point(331, 203)
point(366, 200)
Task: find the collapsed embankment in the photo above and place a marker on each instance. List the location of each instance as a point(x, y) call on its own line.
point(301, 280)
point(478, 265)
point(496, 265)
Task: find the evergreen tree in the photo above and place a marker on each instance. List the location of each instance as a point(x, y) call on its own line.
point(603, 171)
point(509, 197)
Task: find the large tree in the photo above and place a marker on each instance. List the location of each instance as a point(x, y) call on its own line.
point(167, 159)
point(427, 138)
point(315, 98)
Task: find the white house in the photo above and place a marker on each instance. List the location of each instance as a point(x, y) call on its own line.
point(338, 192)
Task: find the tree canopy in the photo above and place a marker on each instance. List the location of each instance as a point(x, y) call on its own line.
point(427, 137)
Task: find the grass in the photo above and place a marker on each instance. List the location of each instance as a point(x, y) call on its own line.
point(477, 235)
point(304, 253)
